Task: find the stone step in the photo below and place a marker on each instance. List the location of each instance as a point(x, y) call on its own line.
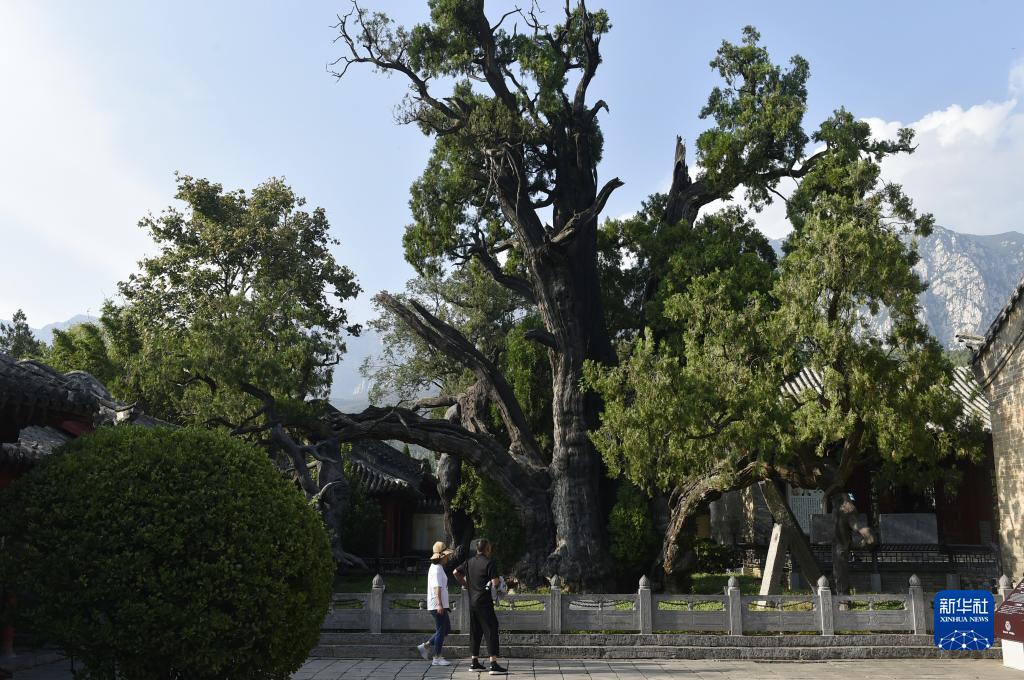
point(633, 640)
point(776, 653)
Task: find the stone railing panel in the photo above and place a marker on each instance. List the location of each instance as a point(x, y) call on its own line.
point(348, 611)
point(779, 613)
point(690, 613)
point(405, 611)
point(600, 612)
point(524, 613)
point(872, 612)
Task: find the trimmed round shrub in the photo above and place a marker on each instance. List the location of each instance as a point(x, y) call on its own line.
point(163, 554)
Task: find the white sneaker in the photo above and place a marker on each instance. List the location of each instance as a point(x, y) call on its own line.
point(440, 661)
point(422, 649)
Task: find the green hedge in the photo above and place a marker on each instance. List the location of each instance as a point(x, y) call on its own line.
point(716, 559)
point(159, 554)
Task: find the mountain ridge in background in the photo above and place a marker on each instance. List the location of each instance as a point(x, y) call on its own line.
point(970, 277)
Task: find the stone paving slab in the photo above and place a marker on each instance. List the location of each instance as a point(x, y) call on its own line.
point(560, 669)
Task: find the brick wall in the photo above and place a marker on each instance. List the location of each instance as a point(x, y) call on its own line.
point(1000, 370)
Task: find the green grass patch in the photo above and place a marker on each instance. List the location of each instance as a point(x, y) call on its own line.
point(715, 584)
point(519, 606)
point(696, 606)
point(786, 606)
point(882, 605)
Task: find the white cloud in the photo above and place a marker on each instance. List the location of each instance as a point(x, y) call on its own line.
point(1016, 79)
point(966, 169)
point(65, 185)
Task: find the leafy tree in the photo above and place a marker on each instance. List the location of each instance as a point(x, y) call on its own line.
point(16, 338)
point(244, 290)
point(238, 322)
point(363, 519)
point(83, 347)
point(707, 413)
point(646, 259)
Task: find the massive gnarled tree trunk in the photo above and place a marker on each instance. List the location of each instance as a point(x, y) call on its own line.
point(523, 154)
point(677, 556)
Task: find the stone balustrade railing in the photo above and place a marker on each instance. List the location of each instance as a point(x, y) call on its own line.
point(645, 612)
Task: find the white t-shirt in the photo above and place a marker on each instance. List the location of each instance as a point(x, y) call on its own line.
point(436, 578)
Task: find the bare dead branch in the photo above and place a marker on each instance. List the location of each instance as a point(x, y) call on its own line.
point(448, 340)
point(588, 215)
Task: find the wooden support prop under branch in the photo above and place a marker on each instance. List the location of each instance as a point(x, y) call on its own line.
point(786, 534)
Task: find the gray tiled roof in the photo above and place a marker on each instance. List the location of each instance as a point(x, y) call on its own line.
point(1000, 320)
point(32, 393)
point(384, 469)
point(964, 385)
point(33, 396)
point(34, 442)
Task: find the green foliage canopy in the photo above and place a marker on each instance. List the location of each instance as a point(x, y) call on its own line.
point(707, 403)
point(631, 535)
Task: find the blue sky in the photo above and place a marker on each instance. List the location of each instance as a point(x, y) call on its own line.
point(103, 101)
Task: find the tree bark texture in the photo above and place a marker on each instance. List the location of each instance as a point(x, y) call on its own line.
point(458, 526)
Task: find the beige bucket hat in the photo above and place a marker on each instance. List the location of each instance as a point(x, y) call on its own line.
point(440, 552)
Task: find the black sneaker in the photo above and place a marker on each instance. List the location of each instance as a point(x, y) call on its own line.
point(476, 666)
point(496, 669)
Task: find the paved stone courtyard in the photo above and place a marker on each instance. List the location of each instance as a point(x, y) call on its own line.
point(551, 669)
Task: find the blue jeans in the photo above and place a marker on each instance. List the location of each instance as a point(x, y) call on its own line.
point(443, 626)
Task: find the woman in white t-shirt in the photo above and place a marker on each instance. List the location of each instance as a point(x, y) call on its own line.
point(438, 604)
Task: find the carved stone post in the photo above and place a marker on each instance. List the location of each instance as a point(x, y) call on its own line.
point(1005, 588)
point(734, 606)
point(644, 611)
point(918, 613)
point(376, 604)
point(555, 606)
point(826, 615)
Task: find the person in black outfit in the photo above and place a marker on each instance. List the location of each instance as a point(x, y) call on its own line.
point(478, 574)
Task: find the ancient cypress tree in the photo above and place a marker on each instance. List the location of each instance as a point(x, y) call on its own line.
point(512, 184)
point(824, 371)
point(513, 140)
